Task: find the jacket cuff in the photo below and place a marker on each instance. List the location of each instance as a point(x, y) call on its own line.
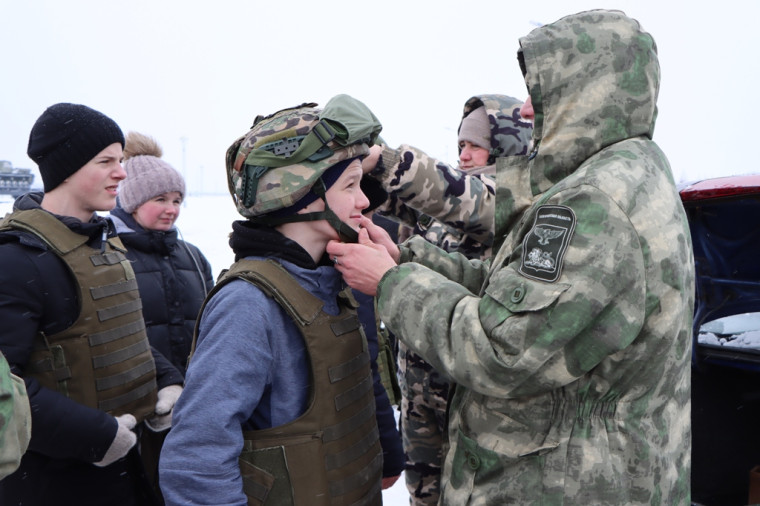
point(389, 158)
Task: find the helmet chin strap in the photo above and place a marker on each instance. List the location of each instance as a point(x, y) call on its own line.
point(345, 232)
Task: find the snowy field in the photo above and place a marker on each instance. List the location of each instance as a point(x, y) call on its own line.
point(206, 222)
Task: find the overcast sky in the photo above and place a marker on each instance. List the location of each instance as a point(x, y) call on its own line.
point(195, 74)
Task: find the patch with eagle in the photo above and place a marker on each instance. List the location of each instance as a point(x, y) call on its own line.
point(545, 245)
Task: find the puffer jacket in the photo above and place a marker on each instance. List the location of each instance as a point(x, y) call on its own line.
point(173, 277)
point(571, 346)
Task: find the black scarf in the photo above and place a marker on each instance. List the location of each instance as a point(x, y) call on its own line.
point(249, 239)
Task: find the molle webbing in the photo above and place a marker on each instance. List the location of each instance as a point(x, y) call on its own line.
point(331, 454)
point(103, 362)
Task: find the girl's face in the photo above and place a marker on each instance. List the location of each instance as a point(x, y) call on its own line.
point(94, 187)
point(160, 212)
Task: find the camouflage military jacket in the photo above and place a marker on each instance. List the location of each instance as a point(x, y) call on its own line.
point(448, 236)
point(15, 419)
point(571, 346)
point(448, 207)
point(420, 187)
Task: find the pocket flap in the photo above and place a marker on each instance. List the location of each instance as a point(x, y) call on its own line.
point(520, 294)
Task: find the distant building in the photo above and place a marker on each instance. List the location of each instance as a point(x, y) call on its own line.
point(15, 181)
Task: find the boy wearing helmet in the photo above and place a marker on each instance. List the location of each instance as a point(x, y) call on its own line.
point(278, 406)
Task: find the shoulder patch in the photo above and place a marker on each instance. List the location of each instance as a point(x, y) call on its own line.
point(545, 245)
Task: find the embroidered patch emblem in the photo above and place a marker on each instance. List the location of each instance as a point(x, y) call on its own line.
point(545, 245)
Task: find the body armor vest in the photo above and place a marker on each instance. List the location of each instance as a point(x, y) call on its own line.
point(103, 360)
point(330, 455)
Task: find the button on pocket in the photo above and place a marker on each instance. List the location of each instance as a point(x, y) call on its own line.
point(472, 460)
point(517, 294)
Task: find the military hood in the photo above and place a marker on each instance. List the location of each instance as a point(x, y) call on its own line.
point(593, 78)
point(510, 134)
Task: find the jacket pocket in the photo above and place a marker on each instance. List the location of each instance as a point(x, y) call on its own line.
point(266, 486)
point(520, 294)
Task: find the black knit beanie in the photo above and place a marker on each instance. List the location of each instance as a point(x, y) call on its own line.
point(66, 137)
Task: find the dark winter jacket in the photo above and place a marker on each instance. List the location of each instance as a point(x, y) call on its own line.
point(37, 294)
point(173, 277)
point(390, 439)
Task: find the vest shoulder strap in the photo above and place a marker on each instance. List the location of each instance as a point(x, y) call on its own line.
point(45, 226)
point(279, 284)
point(275, 281)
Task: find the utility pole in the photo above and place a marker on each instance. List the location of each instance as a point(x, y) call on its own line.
point(183, 140)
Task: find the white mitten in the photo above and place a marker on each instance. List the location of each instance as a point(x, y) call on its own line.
point(122, 442)
point(162, 416)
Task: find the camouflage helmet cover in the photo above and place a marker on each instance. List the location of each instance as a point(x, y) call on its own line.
point(276, 163)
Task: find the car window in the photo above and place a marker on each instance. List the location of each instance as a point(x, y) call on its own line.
point(738, 331)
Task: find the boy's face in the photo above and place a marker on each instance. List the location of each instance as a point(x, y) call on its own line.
point(94, 187)
point(345, 198)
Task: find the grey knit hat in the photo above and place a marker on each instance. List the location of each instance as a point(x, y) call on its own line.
point(476, 128)
point(67, 136)
point(147, 174)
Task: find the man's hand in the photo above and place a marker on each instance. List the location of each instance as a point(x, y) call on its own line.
point(370, 161)
point(365, 263)
point(378, 235)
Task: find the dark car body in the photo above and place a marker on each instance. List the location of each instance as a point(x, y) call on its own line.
point(724, 219)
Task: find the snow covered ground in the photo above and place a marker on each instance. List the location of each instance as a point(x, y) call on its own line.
point(205, 220)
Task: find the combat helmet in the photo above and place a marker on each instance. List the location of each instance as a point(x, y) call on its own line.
point(284, 155)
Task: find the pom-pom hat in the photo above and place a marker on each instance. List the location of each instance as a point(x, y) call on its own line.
point(147, 174)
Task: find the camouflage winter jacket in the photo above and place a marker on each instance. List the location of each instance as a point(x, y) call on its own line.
point(448, 207)
point(571, 347)
point(15, 419)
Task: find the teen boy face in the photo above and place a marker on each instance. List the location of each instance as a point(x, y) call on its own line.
point(94, 187)
point(346, 200)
